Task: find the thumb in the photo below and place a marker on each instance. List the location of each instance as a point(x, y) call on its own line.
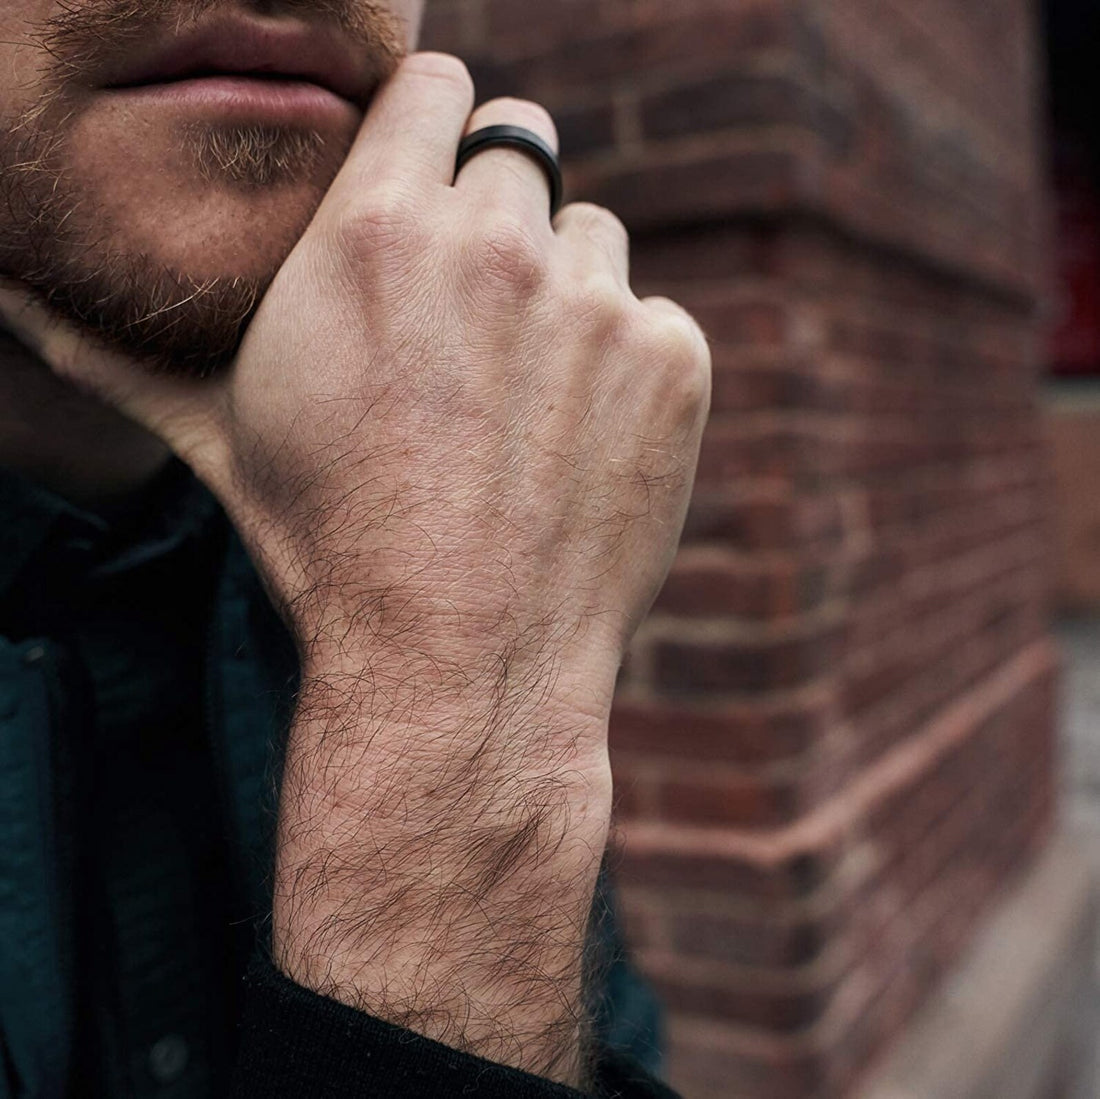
point(183, 412)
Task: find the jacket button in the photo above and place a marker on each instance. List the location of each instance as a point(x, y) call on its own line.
point(168, 1058)
point(35, 654)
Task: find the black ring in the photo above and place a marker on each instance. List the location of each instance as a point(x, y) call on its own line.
point(516, 137)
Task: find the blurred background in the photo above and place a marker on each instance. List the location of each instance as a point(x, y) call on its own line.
point(857, 744)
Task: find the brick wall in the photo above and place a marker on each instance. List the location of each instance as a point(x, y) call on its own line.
point(1072, 428)
point(833, 739)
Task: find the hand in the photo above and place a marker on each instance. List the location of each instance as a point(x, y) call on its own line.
point(460, 451)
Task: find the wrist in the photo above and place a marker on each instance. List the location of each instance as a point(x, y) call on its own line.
point(489, 704)
point(471, 931)
point(438, 854)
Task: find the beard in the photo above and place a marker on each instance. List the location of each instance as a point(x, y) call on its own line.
point(62, 243)
point(62, 237)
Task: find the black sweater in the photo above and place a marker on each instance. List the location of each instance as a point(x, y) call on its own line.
point(296, 1045)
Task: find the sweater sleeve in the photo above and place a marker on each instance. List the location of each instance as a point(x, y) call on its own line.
point(295, 1044)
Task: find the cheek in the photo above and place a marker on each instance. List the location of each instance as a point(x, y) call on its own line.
point(16, 16)
point(23, 63)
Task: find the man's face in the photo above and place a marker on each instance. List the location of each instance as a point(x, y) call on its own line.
point(151, 183)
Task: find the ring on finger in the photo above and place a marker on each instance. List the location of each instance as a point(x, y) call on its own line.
point(526, 141)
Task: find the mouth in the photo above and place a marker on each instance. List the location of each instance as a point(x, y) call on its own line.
point(268, 52)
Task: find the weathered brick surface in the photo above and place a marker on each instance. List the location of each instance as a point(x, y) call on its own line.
point(833, 739)
point(1072, 429)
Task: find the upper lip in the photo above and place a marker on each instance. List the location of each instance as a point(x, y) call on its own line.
point(237, 45)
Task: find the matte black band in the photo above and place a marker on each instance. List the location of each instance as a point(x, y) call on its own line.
point(516, 137)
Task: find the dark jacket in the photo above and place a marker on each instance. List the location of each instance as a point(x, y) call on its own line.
point(145, 688)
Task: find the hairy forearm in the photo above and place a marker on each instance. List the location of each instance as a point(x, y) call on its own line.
point(460, 451)
point(440, 840)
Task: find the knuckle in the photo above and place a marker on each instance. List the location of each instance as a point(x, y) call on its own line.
point(444, 67)
point(507, 253)
point(682, 349)
point(602, 306)
point(599, 219)
point(385, 221)
point(684, 338)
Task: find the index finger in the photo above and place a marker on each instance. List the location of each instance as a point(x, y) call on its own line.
point(411, 132)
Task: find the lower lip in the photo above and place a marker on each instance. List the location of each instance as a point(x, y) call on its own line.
point(246, 98)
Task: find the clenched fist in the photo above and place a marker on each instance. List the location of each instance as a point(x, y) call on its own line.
point(460, 451)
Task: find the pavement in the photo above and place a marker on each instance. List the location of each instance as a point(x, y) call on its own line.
point(1080, 726)
point(1080, 721)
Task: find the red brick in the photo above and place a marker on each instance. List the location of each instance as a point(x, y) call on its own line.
point(758, 322)
point(585, 129)
point(750, 732)
point(746, 801)
point(724, 997)
point(741, 386)
point(708, 256)
point(713, 587)
point(546, 50)
point(724, 101)
point(744, 521)
point(734, 451)
point(689, 189)
point(761, 942)
point(708, 1060)
point(791, 879)
point(742, 666)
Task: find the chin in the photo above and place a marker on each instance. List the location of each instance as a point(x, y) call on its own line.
point(211, 193)
point(164, 249)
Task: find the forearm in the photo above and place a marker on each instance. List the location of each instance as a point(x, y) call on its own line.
point(450, 423)
point(439, 848)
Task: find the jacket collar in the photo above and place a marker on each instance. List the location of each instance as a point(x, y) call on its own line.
point(37, 523)
point(29, 518)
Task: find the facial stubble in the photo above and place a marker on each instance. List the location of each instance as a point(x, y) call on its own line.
point(62, 241)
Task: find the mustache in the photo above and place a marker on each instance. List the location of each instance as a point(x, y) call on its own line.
point(86, 35)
